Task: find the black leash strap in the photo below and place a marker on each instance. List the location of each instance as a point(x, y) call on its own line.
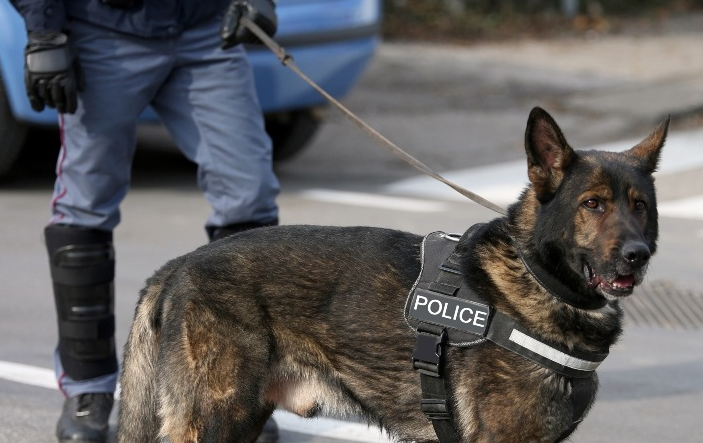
point(287, 60)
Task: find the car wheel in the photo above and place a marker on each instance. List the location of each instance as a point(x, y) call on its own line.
point(292, 131)
point(12, 134)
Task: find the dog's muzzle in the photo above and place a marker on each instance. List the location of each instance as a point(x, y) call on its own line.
point(627, 273)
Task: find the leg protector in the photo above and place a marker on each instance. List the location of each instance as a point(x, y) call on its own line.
point(82, 270)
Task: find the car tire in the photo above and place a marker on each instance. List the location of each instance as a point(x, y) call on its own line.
point(292, 131)
point(12, 134)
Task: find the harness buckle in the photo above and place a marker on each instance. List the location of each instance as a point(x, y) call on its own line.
point(428, 352)
point(435, 409)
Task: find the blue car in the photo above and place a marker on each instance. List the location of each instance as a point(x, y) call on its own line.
point(332, 41)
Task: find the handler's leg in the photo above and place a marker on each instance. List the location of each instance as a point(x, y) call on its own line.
point(93, 175)
point(211, 108)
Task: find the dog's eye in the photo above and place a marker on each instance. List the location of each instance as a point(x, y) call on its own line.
point(640, 205)
point(592, 204)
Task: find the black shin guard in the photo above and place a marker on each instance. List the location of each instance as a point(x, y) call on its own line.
point(82, 270)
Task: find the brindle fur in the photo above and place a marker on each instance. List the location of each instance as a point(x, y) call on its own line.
point(310, 319)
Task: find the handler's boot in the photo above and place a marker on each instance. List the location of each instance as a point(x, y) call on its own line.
point(85, 418)
point(82, 270)
point(270, 432)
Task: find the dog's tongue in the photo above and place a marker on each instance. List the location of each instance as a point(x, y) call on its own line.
point(624, 281)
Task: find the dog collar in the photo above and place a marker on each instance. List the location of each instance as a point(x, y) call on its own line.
point(557, 288)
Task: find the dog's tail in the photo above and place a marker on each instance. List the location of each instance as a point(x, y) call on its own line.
point(138, 420)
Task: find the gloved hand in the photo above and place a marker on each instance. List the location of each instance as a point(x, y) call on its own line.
point(51, 75)
point(261, 12)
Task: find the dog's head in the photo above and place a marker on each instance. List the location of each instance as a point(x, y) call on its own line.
point(593, 214)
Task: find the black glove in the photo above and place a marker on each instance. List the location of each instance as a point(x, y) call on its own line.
point(51, 75)
point(261, 12)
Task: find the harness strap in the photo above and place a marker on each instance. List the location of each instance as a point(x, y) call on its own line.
point(510, 335)
point(434, 403)
point(428, 357)
point(428, 360)
point(581, 393)
point(441, 298)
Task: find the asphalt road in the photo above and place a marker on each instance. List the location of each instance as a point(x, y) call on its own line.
point(462, 111)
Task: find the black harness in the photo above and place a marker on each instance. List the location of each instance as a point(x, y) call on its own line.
point(445, 312)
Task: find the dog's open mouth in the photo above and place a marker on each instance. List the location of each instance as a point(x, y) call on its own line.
point(620, 286)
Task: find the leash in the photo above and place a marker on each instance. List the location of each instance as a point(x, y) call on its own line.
point(287, 60)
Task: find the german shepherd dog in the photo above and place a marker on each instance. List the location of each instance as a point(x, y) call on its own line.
point(311, 319)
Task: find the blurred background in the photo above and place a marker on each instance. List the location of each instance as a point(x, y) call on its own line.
point(471, 21)
point(452, 82)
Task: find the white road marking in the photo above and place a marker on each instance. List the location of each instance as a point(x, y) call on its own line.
point(502, 183)
point(374, 200)
point(322, 427)
point(691, 207)
point(28, 375)
point(330, 428)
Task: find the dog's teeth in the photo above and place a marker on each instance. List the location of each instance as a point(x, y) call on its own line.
point(624, 281)
point(591, 277)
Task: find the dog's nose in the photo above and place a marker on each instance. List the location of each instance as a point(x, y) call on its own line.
point(636, 253)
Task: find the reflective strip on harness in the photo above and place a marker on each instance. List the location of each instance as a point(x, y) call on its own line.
point(552, 354)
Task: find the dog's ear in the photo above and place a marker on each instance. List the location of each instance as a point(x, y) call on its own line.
point(649, 149)
point(548, 153)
